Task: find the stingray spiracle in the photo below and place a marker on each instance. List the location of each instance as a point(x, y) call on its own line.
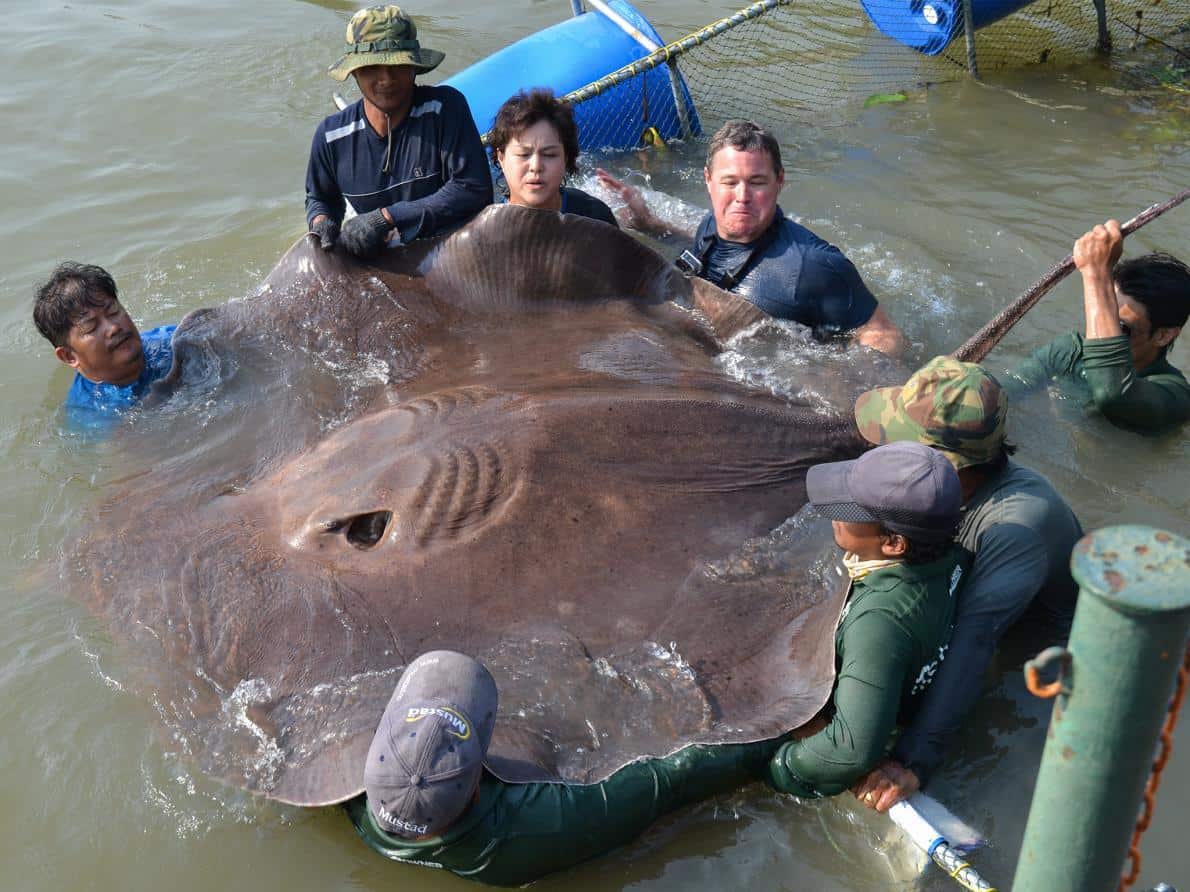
point(462, 485)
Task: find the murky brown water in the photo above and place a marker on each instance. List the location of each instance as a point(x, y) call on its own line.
point(168, 141)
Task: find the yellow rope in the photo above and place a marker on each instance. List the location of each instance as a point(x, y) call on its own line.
point(666, 53)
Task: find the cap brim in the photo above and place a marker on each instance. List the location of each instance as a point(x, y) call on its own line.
point(898, 427)
point(423, 60)
point(871, 431)
point(830, 496)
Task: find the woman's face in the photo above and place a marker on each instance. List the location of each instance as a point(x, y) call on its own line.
point(534, 164)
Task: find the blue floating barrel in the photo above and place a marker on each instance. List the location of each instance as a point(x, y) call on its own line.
point(572, 54)
point(929, 25)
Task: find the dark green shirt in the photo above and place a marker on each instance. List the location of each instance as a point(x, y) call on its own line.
point(517, 833)
point(890, 642)
point(1152, 400)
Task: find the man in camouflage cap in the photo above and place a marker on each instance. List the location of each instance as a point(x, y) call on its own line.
point(955, 407)
point(1015, 525)
point(407, 157)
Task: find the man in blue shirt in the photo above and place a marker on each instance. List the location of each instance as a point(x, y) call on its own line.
point(747, 245)
point(408, 158)
point(78, 311)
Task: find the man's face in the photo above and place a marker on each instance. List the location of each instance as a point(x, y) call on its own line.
point(388, 87)
point(104, 345)
point(863, 539)
point(1145, 342)
point(743, 187)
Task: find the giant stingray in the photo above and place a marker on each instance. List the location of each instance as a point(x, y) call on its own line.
point(516, 442)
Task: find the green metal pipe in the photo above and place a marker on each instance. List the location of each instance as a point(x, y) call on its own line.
point(1125, 649)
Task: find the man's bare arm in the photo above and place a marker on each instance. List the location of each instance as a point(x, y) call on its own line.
point(880, 333)
point(1095, 254)
point(636, 213)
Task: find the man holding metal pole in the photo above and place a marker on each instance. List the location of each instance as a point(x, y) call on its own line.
point(1133, 312)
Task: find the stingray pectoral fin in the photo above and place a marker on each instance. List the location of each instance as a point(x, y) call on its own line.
point(333, 777)
point(727, 313)
point(777, 600)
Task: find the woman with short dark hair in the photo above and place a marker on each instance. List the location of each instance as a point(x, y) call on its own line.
point(535, 141)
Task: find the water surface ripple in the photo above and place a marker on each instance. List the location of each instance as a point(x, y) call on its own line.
point(168, 142)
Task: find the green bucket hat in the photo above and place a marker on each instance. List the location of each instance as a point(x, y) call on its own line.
point(955, 407)
point(383, 35)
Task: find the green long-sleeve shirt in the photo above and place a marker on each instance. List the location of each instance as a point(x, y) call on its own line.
point(1152, 400)
point(890, 642)
point(517, 833)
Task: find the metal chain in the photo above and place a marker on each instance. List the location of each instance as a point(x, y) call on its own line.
point(959, 870)
point(1142, 823)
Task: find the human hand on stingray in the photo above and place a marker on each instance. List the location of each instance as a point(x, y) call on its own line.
point(886, 785)
point(554, 474)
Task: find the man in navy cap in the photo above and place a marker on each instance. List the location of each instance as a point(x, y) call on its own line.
point(895, 512)
point(407, 157)
point(429, 801)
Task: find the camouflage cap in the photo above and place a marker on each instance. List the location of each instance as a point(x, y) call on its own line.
point(955, 407)
point(383, 35)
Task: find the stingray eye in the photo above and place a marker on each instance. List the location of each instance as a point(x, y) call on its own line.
point(364, 530)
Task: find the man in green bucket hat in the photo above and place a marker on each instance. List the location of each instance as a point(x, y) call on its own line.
point(1014, 523)
point(407, 157)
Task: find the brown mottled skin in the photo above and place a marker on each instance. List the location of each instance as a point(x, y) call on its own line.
point(514, 442)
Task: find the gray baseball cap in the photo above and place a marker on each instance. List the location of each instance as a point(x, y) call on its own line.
point(427, 754)
point(907, 487)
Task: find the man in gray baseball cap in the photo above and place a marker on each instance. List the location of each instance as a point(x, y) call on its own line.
point(426, 757)
point(430, 801)
point(895, 511)
point(907, 488)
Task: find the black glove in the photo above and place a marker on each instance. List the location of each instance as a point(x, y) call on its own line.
point(365, 235)
point(327, 230)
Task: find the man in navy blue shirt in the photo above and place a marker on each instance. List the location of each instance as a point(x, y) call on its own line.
point(78, 311)
point(747, 245)
point(407, 157)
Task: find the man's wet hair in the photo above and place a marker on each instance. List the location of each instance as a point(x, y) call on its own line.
point(745, 136)
point(524, 109)
point(1159, 282)
point(73, 288)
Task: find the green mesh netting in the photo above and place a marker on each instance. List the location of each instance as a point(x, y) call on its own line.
point(784, 61)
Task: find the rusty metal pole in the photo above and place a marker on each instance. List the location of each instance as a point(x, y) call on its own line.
point(1116, 675)
point(969, 37)
point(1103, 45)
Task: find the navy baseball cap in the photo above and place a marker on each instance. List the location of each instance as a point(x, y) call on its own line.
point(906, 487)
point(427, 755)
